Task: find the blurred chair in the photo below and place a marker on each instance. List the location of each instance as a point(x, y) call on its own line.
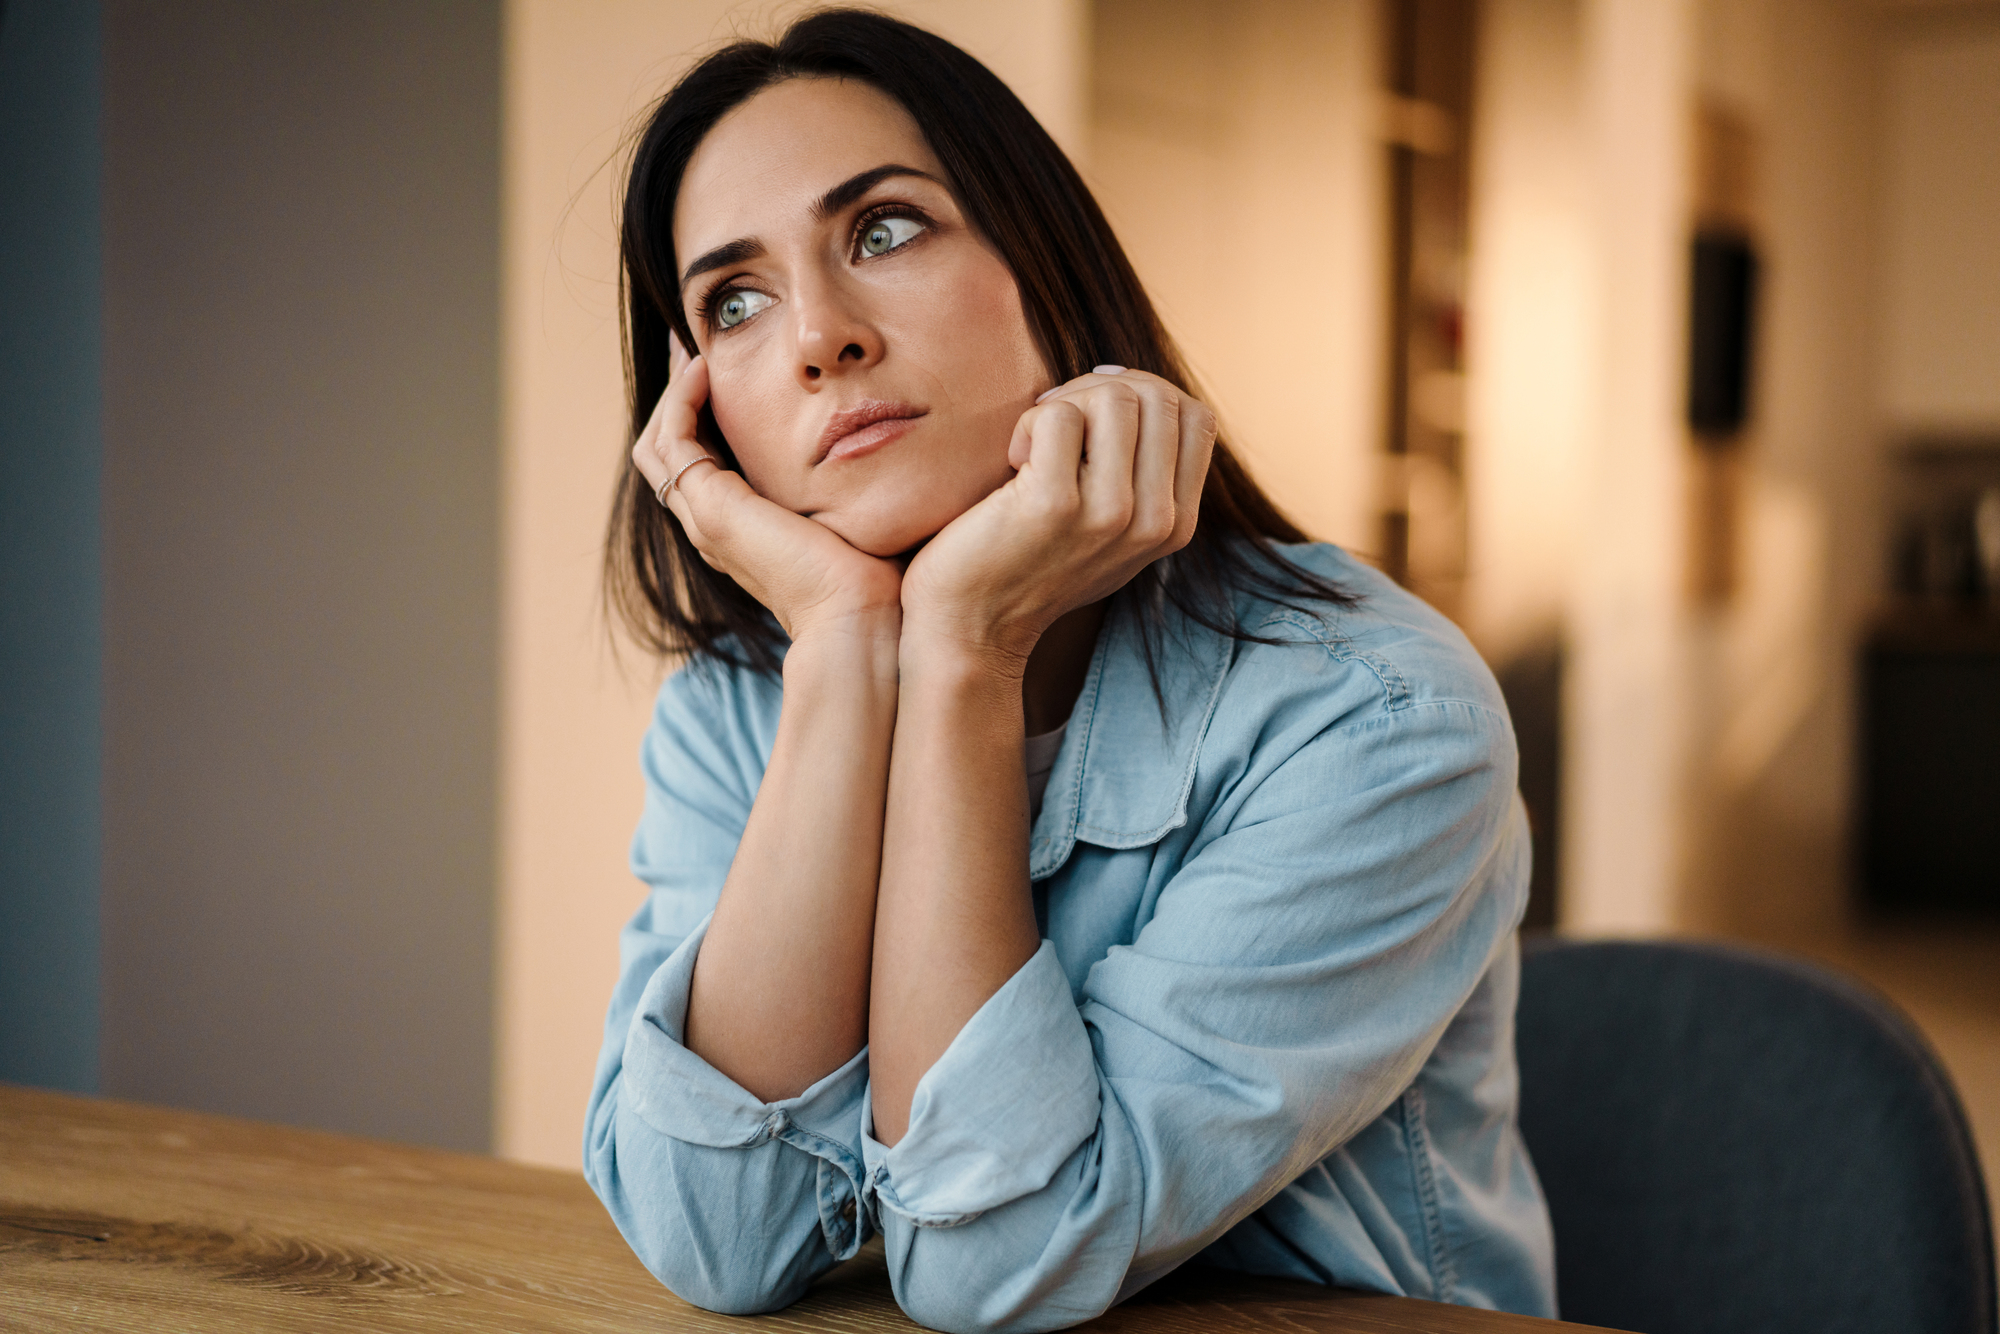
point(1733, 1141)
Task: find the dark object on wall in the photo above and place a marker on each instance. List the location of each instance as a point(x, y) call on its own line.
point(1945, 492)
point(1721, 331)
point(1930, 770)
point(1736, 1142)
point(1937, 555)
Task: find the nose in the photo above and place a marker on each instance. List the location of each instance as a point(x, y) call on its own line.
point(834, 337)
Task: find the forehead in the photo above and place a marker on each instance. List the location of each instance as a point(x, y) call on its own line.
point(762, 166)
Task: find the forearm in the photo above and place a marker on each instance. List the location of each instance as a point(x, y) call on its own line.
point(780, 991)
point(954, 917)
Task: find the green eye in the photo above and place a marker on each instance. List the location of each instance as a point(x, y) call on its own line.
point(885, 234)
point(739, 306)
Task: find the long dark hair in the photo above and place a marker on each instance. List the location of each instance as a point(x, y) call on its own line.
point(1084, 305)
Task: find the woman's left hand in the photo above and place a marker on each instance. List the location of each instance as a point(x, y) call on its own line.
point(1109, 475)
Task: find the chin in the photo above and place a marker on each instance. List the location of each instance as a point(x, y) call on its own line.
point(883, 535)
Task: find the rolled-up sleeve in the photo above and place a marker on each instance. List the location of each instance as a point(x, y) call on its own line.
point(1300, 965)
point(1002, 1110)
point(734, 1203)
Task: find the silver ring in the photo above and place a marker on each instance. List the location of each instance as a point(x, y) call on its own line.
point(668, 485)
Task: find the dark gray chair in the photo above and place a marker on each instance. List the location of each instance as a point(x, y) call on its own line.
point(1734, 1141)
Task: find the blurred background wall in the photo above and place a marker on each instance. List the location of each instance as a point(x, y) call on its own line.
point(301, 427)
point(1228, 134)
point(369, 751)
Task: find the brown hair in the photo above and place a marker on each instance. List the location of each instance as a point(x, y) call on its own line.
point(1084, 304)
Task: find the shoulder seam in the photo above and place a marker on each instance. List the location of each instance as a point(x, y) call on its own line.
point(1486, 711)
point(1342, 649)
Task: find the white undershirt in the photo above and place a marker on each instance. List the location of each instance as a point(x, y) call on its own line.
point(1042, 752)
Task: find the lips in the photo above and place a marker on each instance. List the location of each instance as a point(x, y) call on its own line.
point(862, 429)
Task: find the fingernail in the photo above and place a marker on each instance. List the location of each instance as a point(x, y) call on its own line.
point(1107, 370)
point(1045, 393)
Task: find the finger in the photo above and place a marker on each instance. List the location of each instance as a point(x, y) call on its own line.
point(707, 500)
point(703, 492)
point(1054, 433)
point(1116, 412)
point(1197, 427)
point(1197, 448)
point(668, 448)
point(678, 356)
point(1156, 461)
point(668, 414)
point(678, 506)
point(1145, 382)
point(1105, 375)
point(1021, 443)
point(1070, 388)
point(668, 440)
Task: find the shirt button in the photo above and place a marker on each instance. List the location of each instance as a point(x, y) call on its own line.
point(847, 1210)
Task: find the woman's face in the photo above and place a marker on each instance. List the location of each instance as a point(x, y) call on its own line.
point(867, 351)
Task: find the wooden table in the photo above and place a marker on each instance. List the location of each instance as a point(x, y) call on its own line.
point(115, 1216)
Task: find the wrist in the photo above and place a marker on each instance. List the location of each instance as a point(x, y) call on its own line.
point(950, 672)
point(859, 647)
point(941, 648)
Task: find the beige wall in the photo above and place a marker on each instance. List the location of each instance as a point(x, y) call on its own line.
point(1624, 705)
point(571, 713)
point(1941, 345)
point(1235, 155)
point(1528, 322)
point(574, 75)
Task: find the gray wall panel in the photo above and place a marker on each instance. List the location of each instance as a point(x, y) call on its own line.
point(301, 508)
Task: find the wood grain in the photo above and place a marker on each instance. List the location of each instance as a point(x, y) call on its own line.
point(117, 1217)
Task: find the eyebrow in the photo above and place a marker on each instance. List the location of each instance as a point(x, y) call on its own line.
point(828, 204)
point(851, 189)
point(735, 252)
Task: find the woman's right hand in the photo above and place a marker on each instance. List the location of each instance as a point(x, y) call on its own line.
point(809, 578)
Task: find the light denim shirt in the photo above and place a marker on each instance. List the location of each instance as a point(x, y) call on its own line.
point(1270, 1025)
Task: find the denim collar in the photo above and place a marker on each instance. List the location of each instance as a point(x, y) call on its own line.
point(1124, 772)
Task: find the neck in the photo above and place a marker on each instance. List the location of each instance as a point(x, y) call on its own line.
point(1057, 667)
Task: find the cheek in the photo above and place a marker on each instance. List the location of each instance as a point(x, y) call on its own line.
point(747, 412)
point(966, 330)
point(1003, 358)
point(991, 308)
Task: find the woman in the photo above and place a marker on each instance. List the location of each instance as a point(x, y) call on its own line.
point(1059, 866)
